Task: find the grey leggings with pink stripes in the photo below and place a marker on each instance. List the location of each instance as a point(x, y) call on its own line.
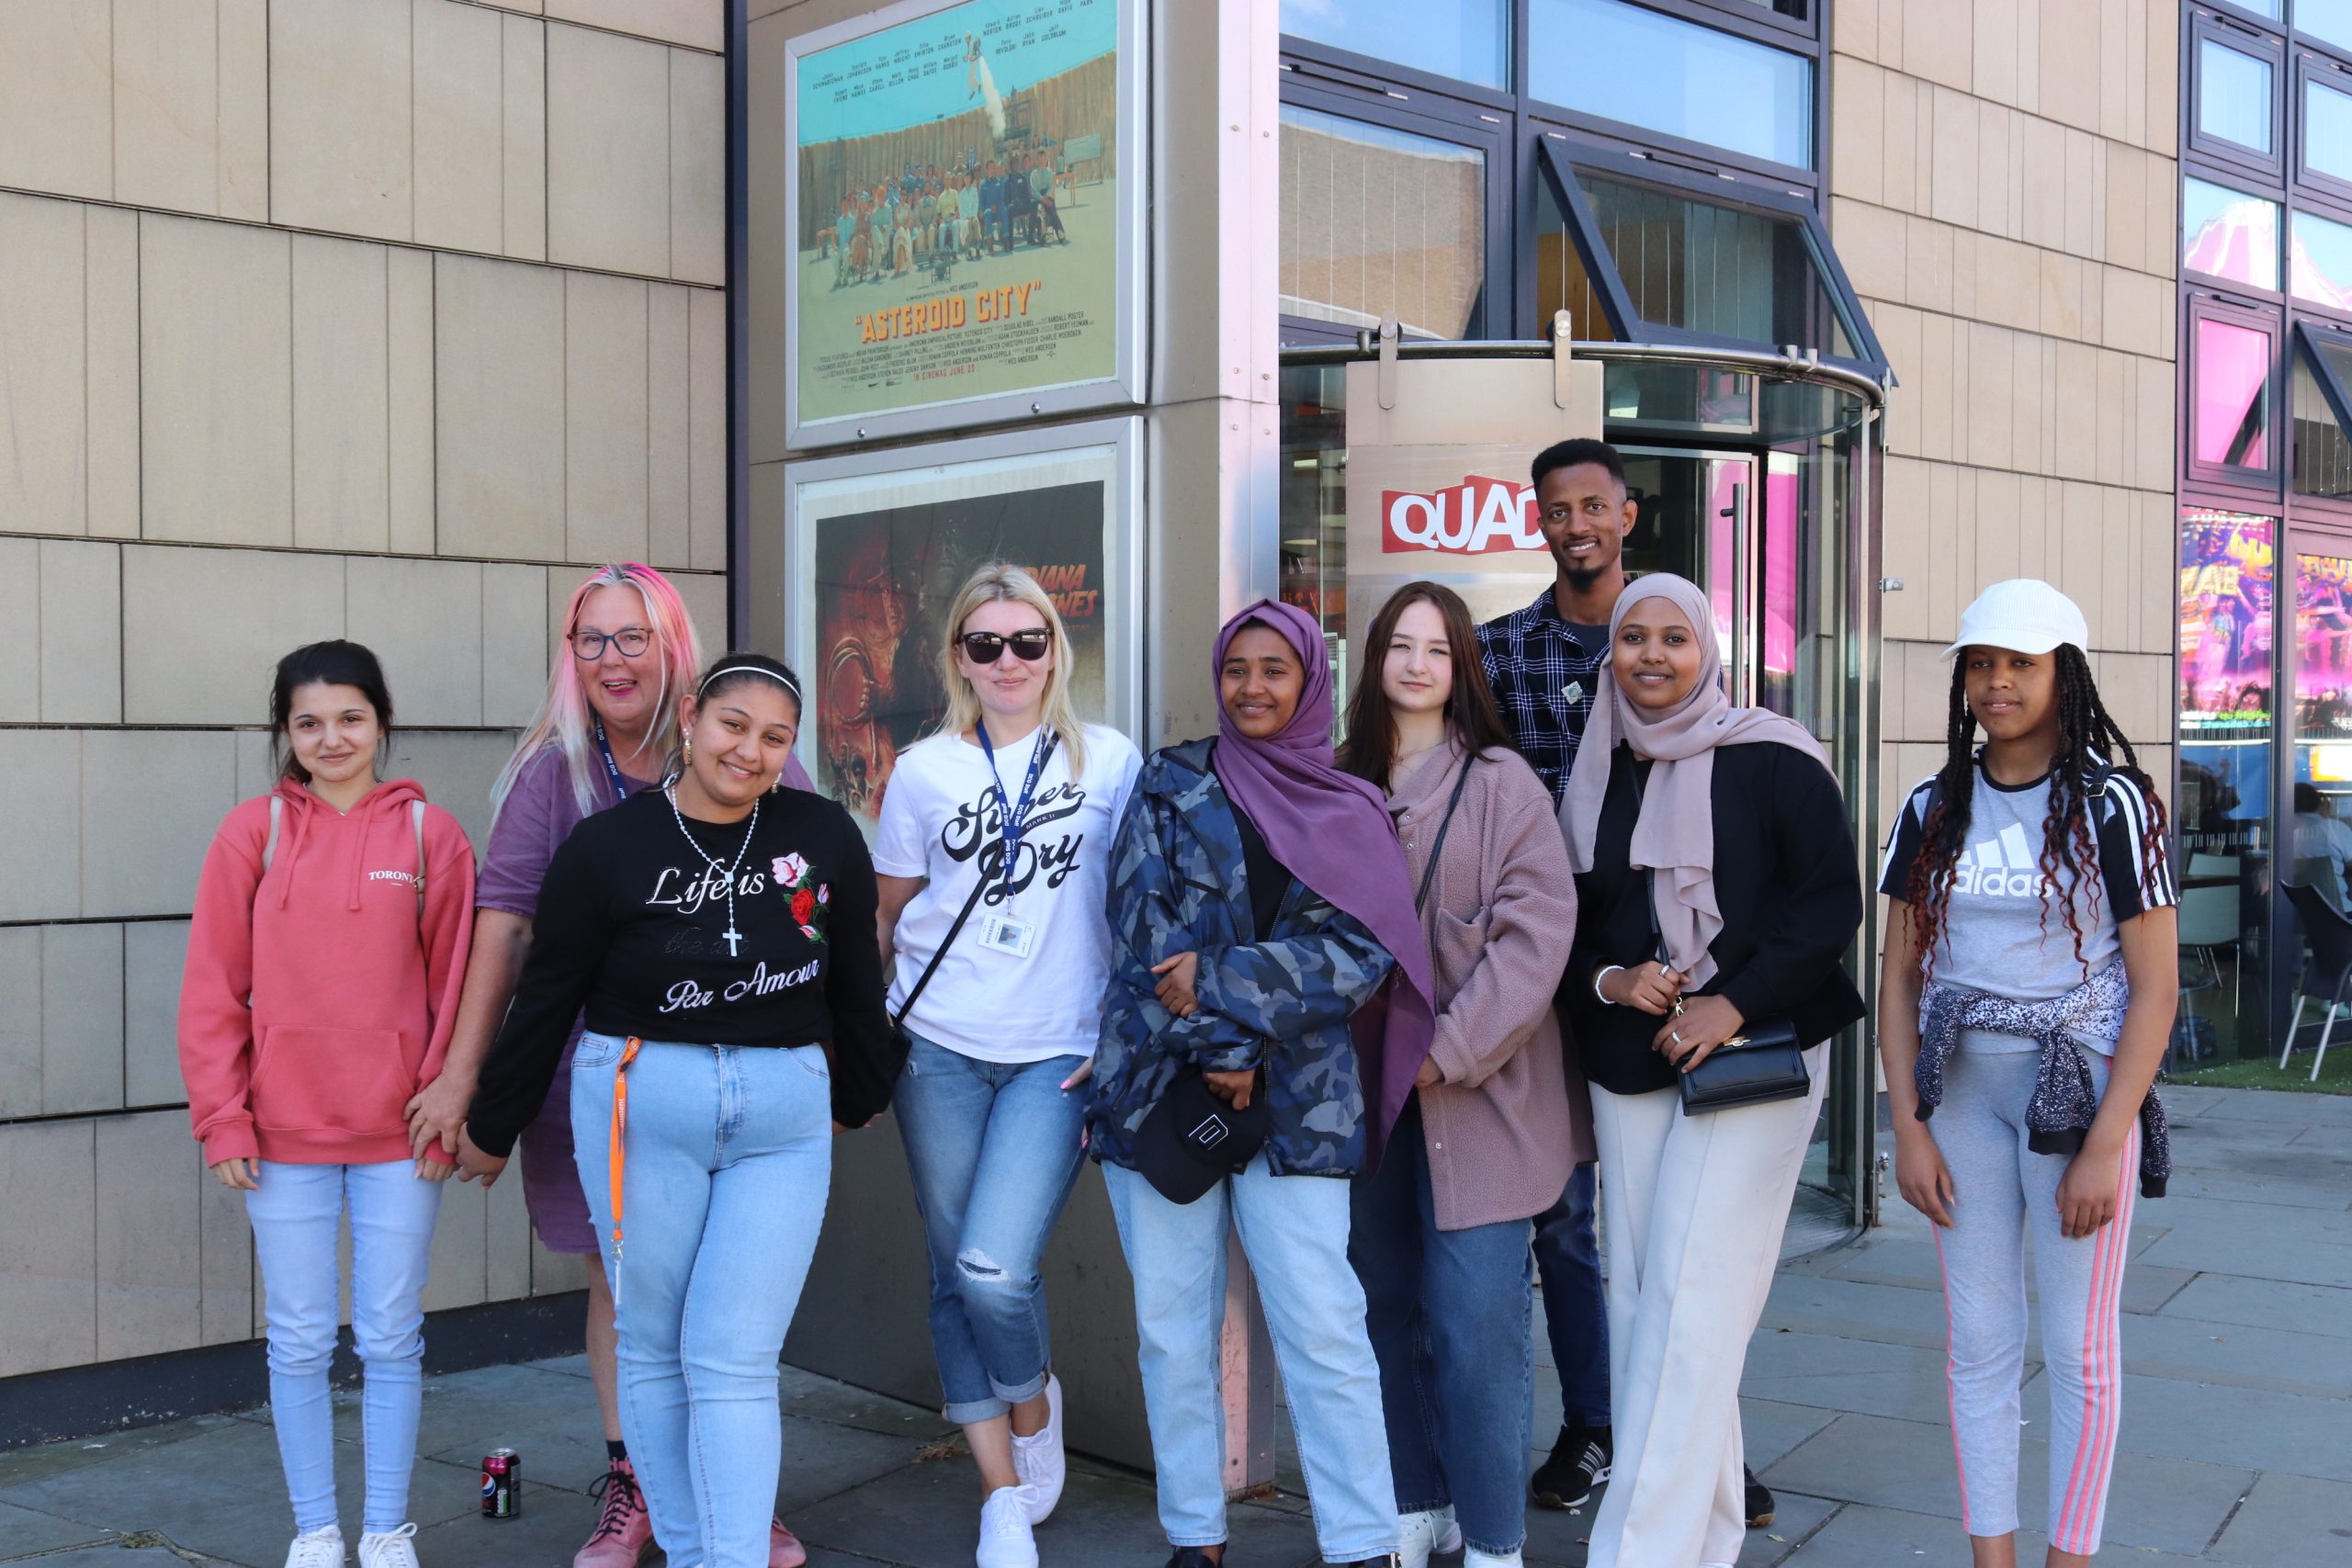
point(2003, 1191)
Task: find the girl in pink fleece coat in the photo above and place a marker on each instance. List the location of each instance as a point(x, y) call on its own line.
point(323, 967)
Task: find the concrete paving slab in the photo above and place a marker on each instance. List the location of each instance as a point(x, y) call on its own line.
point(1892, 1314)
point(2243, 1427)
point(222, 1494)
point(110, 1557)
point(2281, 1193)
point(2264, 1303)
point(2277, 1107)
point(1901, 1380)
point(927, 1516)
point(1795, 1519)
point(1863, 1536)
point(1770, 1429)
point(549, 1419)
point(814, 1398)
point(24, 1533)
point(55, 1459)
point(2292, 1521)
point(544, 1535)
point(2170, 1504)
point(2269, 1253)
point(2282, 1360)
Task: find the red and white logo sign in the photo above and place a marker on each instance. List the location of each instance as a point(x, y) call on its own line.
point(1478, 516)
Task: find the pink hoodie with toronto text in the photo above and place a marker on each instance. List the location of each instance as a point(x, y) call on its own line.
point(318, 998)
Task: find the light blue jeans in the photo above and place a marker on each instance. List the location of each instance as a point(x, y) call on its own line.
point(296, 1211)
point(728, 1161)
point(1294, 1231)
point(993, 1150)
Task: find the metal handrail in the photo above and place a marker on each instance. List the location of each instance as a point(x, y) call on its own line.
point(1782, 365)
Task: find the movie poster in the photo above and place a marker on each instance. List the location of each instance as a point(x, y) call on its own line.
point(886, 553)
point(2226, 595)
point(958, 211)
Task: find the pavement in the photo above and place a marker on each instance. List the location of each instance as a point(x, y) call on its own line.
point(2236, 1451)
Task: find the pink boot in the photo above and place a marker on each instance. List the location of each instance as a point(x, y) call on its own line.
point(785, 1550)
point(623, 1531)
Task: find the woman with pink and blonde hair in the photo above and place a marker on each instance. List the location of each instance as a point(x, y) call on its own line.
point(625, 654)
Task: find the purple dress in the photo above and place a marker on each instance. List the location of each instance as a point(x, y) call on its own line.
point(540, 814)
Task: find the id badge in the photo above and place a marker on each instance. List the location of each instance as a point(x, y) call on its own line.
point(1002, 933)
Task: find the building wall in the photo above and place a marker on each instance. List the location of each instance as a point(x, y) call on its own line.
point(2002, 188)
point(378, 318)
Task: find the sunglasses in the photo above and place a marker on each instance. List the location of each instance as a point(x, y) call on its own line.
point(987, 647)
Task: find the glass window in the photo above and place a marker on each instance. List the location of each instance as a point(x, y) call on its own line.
point(2230, 415)
point(2328, 19)
point(1379, 223)
point(2227, 233)
point(1561, 280)
point(2270, 7)
point(2319, 262)
point(2322, 453)
point(1623, 62)
point(2327, 129)
point(2222, 812)
point(1466, 40)
point(1726, 271)
point(2233, 96)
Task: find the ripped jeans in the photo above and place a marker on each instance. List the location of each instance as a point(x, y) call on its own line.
point(993, 1150)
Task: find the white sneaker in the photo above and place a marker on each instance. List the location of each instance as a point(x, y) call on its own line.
point(1417, 1535)
point(1488, 1559)
point(1005, 1540)
point(388, 1550)
point(1039, 1459)
point(321, 1548)
point(1449, 1533)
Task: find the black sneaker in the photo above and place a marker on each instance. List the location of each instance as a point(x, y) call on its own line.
point(1759, 1501)
point(1192, 1557)
point(1579, 1462)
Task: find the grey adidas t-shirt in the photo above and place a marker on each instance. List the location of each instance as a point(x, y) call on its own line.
point(1996, 937)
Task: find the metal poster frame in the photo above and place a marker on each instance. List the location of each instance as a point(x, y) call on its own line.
point(1004, 464)
point(1125, 386)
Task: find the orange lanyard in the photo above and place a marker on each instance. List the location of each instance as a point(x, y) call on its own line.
point(618, 1160)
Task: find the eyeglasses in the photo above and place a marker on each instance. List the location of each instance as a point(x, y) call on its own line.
point(590, 645)
point(987, 647)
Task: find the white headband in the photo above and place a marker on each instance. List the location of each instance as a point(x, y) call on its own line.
point(787, 682)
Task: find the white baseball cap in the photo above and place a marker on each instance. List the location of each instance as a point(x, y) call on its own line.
point(2024, 615)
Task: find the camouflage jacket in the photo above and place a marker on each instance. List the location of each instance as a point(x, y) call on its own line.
point(1178, 886)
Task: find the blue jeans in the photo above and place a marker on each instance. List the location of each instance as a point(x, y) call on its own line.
point(993, 1150)
point(728, 1161)
point(1568, 1256)
point(296, 1212)
point(1294, 1231)
point(1449, 1322)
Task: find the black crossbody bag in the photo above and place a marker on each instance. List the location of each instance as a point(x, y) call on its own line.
point(1763, 1063)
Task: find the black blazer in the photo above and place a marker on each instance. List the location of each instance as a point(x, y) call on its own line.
point(1790, 893)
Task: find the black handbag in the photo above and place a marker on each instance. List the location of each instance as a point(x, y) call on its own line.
point(1763, 1063)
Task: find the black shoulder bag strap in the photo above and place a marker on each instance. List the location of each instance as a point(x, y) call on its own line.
point(980, 885)
point(1437, 845)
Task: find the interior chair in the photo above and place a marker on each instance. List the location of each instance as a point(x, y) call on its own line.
point(2327, 973)
point(2209, 922)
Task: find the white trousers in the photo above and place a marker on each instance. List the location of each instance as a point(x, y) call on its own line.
point(1693, 1208)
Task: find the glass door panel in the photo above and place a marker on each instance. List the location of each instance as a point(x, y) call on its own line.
point(2223, 812)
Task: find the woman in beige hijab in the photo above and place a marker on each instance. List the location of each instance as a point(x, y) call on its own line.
point(1715, 871)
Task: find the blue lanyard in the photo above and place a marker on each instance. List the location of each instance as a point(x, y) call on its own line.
point(613, 769)
point(1015, 816)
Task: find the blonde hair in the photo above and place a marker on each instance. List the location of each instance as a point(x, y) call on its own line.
point(999, 581)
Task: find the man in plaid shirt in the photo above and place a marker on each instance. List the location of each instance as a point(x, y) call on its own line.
point(1543, 662)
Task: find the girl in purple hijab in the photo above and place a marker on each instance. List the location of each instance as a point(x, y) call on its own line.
point(1257, 896)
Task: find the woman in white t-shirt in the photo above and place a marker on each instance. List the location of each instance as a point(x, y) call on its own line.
point(2027, 992)
point(995, 837)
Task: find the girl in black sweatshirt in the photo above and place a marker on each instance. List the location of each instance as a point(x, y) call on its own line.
point(719, 932)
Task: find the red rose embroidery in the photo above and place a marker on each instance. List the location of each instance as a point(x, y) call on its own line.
point(804, 904)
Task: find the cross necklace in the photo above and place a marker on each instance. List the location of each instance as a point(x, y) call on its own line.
point(670, 793)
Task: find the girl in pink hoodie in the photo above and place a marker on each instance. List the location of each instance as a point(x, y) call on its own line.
point(323, 966)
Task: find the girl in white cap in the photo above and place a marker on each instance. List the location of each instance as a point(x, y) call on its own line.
point(2029, 987)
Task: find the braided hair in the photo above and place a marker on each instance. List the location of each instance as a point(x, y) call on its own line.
point(2091, 747)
